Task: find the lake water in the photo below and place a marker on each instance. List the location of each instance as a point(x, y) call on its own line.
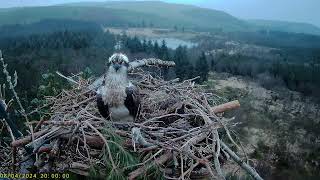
point(173, 43)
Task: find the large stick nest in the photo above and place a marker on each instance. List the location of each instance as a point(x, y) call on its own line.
point(175, 134)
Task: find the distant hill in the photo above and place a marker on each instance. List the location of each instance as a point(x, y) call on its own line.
point(177, 14)
point(286, 26)
point(155, 13)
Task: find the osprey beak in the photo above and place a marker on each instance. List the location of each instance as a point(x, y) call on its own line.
point(116, 66)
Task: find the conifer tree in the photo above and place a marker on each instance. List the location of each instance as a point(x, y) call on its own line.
point(150, 47)
point(164, 52)
point(202, 68)
point(183, 68)
point(144, 45)
point(164, 55)
point(156, 48)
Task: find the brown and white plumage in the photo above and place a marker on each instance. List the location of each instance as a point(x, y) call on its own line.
point(118, 99)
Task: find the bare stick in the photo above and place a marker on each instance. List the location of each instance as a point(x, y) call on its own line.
point(67, 78)
point(150, 62)
point(217, 154)
point(11, 86)
point(10, 131)
point(238, 160)
point(27, 139)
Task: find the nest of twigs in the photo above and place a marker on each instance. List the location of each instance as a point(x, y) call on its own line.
point(176, 134)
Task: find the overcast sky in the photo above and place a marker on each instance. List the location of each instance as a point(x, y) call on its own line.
point(286, 10)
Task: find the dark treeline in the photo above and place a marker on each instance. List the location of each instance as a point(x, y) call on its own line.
point(66, 51)
point(187, 65)
point(302, 77)
point(72, 51)
point(294, 60)
point(277, 39)
point(48, 26)
point(71, 46)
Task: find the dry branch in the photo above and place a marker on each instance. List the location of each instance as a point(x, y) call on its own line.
point(27, 139)
point(159, 161)
point(176, 120)
point(150, 62)
point(12, 85)
point(238, 160)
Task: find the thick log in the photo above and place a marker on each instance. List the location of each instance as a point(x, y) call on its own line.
point(226, 107)
point(92, 141)
point(27, 139)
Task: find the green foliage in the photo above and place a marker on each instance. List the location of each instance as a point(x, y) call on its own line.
point(123, 159)
point(51, 85)
point(298, 76)
point(231, 94)
point(48, 26)
point(164, 51)
point(278, 39)
point(231, 176)
point(153, 173)
point(87, 73)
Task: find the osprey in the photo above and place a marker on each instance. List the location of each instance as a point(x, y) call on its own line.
point(117, 98)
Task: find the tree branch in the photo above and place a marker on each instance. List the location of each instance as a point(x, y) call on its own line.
point(239, 161)
point(150, 62)
point(159, 161)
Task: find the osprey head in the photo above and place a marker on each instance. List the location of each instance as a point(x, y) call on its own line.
point(118, 63)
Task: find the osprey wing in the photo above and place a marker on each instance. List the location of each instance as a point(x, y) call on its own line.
point(132, 101)
point(103, 108)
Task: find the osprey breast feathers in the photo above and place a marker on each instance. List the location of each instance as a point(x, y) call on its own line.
point(118, 98)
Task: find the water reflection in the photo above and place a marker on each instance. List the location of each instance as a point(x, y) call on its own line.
point(173, 43)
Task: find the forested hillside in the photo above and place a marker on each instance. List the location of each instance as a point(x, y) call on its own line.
point(36, 49)
point(273, 58)
point(149, 14)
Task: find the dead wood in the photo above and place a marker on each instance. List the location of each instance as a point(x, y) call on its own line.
point(226, 107)
point(150, 62)
point(27, 139)
point(177, 128)
point(157, 162)
point(238, 160)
